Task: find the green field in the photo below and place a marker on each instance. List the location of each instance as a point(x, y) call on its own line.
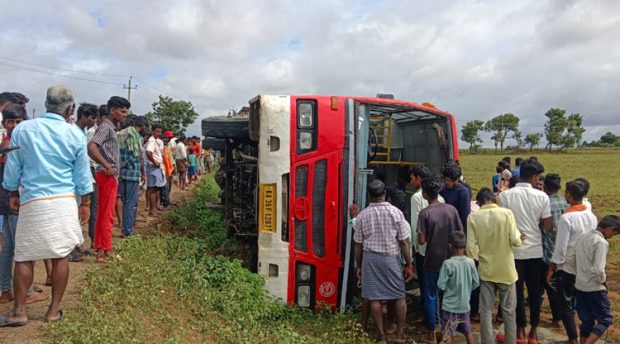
point(598, 166)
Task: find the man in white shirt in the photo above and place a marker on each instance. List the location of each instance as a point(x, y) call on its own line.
point(532, 211)
point(180, 156)
point(576, 221)
point(154, 172)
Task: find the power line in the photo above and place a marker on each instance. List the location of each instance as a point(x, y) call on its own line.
point(61, 68)
point(60, 75)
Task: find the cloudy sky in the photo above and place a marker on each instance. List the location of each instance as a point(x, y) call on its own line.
point(476, 59)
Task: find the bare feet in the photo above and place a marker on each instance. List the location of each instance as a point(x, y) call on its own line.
point(7, 296)
point(35, 297)
point(100, 257)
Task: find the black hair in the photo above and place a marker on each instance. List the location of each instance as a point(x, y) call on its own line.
point(530, 168)
point(14, 112)
point(103, 110)
point(376, 189)
point(503, 164)
point(181, 137)
point(513, 181)
point(553, 182)
point(452, 171)
point(507, 159)
point(18, 98)
point(577, 189)
point(431, 186)
point(518, 161)
point(533, 157)
point(118, 102)
point(421, 172)
point(403, 174)
point(87, 109)
point(156, 126)
point(484, 195)
point(587, 184)
point(5, 97)
point(612, 221)
point(457, 240)
point(141, 121)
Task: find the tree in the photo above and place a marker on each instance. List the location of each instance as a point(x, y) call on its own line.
point(470, 132)
point(609, 139)
point(574, 131)
point(518, 137)
point(174, 115)
point(502, 125)
point(555, 126)
point(532, 140)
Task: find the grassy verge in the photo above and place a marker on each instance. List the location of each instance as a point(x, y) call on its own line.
point(170, 289)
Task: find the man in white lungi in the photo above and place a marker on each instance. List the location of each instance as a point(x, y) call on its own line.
point(43, 177)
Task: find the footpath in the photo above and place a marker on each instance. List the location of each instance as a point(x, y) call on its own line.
point(33, 332)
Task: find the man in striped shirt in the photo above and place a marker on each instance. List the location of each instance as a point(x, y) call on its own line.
point(103, 149)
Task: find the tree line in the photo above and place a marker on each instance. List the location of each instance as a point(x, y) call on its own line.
point(561, 130)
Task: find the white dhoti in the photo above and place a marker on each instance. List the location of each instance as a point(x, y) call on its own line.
point(47, 227)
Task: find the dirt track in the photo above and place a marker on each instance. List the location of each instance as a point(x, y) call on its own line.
point(33, 331)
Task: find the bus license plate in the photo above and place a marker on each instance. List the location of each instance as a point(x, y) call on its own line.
point(267, 209)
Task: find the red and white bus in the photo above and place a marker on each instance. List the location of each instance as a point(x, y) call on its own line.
point(291, 169)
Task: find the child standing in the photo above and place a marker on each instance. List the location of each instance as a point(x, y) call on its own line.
point(593, 305)
point(191, 172)
point(457, 278)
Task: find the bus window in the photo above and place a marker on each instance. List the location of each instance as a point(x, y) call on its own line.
point(301, 230)
point(318, 207)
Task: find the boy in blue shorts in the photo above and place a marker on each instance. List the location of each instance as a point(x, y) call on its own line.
point(457, 278)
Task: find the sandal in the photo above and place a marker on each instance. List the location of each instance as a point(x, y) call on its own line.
point(4, 322)
point(58, 318)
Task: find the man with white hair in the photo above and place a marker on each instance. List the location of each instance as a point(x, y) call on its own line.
point(43, 178)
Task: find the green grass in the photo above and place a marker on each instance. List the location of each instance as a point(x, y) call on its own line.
point(598, 166)
point(171, 289)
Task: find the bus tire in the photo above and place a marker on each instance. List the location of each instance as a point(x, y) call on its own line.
point(226, 128)
point(214, 144)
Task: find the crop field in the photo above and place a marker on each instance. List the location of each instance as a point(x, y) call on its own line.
point(599, 166)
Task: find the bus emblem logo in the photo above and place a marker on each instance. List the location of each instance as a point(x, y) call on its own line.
point(327, 289)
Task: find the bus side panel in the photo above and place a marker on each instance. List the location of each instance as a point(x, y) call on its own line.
point(316, 201)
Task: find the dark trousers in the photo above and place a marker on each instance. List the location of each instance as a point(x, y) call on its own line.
point(164, 193)
point(130, 193)
point(551, 294)
point(419, 269)
point(565, 289)
point(474, 300)
point(529, 276)
point(594, 310)
point(93, 215)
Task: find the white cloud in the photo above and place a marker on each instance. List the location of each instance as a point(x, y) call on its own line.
point(474, 58)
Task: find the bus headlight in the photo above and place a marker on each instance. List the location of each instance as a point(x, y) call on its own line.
point(303, 296)
point(305, 140)
point(304, 272)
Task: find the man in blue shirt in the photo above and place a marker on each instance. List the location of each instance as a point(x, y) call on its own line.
point(49, 169)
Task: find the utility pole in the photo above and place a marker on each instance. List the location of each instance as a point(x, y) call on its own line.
point(128, 87)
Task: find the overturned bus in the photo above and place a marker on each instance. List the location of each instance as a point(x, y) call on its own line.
point(290, 169)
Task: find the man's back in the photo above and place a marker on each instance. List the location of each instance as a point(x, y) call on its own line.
point(495, 232)
point(380, 227)
point(529, 206)
point(51, 160)
point(571, 227)
point(436, 222)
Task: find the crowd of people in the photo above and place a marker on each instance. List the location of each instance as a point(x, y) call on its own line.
point(58, 173)
point(521, 238)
